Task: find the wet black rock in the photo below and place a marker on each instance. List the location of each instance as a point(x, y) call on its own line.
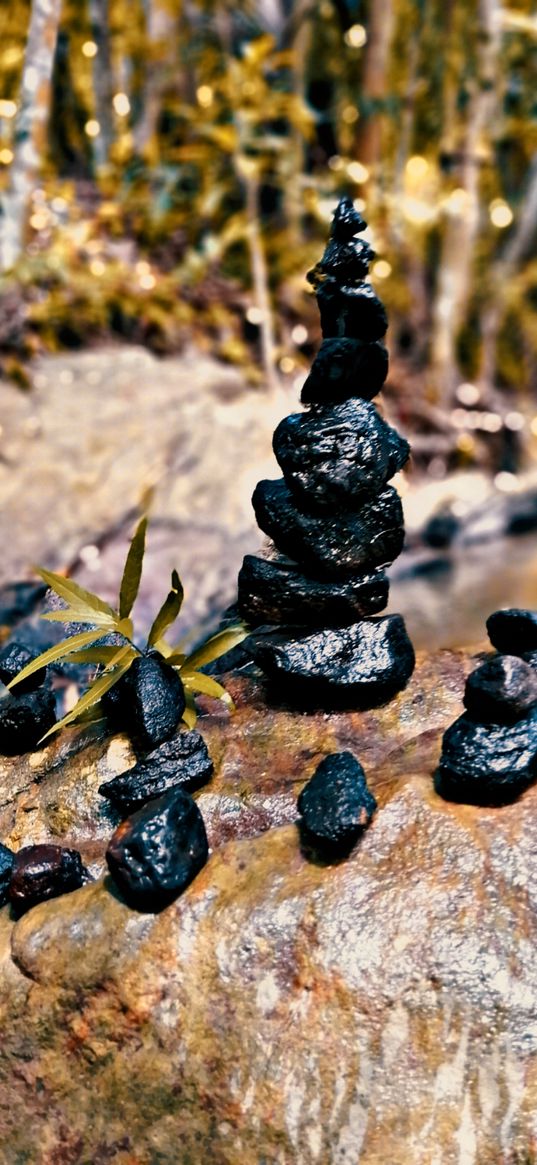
point(18, 600)
point(13, 658)
point(335, 544)
point(363, 664)
point(352, 311)
point(343, 368)
point(24, 720)
point(275, 592)
point(156, 853)
point(147, 702)
point(41, 872)
point(344, 261)
point(331, 456)
point(346, 221)
point(487, 764)
point(7, 857)
point(181, 762)
point(501, 691)
point(336, 805)
point(513, 630)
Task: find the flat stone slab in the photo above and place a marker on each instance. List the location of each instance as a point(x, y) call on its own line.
point(378, 1010)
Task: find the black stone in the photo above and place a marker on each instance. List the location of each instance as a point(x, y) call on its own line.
point(513, 630)
point(333, 545)
point(7, 857)
point(13, 657)
point(344, 261)
point(352, 311)
point(361, 665)
point(487, 764)
point(344, 368)
point(274, 592)
point(336, 804)
point(147, 702)
point(41, 872)
point(154, 854)
point(24, 720)
point(346, 221)
point(182, 761)
point(333, 455)
point(441, 529)
point(531, 658)
point(501, 691)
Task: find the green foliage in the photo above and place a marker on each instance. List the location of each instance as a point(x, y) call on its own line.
point(113, 661)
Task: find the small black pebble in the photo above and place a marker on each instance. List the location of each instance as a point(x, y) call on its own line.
point(41, 872)
point(156, 853)
point(487, 764)
point(513, 630)
point(501, 691)
point(336, 804)
point(147, 702)
point(183, 761)
point(24, 720)
point(7, 857)
point(13, 657)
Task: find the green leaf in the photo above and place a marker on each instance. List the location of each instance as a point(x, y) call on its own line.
point(216, 646)
point(59, 651)
point(177, 658)
point(132, 573)
point(198, 682)
point(70, 615)
point(100, 655)
point(168, 612)
point(85, 602)
point(118, 666)
point(190, 714)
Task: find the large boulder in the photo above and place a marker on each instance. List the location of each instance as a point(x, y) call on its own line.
point(283, 1010)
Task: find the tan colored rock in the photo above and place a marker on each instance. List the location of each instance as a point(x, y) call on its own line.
point(379, 1011)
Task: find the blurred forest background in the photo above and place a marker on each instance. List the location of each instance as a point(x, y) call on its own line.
point(169, 169)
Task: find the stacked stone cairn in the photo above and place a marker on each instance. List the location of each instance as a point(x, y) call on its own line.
point(334, 521)
point(489, 755)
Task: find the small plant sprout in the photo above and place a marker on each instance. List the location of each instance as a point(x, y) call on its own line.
point(113, 659)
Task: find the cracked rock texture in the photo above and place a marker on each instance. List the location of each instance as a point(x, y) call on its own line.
point(382, 1009)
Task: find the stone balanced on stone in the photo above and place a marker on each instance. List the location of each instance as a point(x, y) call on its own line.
point(333, 519)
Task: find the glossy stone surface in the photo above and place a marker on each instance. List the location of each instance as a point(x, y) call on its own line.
point(274, 592)
point(336, 804)
point(13, 657)
point(487, 764)
point(147, 702)
point(41, 872)
point(513, 630)
point(501, 691)
point(182, 761)
point(331, 456)
point(156, 853)
point(24, 720)
point(352, 311)
point(343, 368)
point(361, 664)
point(335, 544)
point(7, 857)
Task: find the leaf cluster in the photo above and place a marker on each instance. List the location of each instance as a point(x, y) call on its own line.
point(109, 643)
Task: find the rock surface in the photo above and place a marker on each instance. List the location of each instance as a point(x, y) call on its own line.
point(377, 1010)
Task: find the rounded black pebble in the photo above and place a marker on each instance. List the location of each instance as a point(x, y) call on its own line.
point(358, 666)
point(501, 691)
point(155, 854)
point(41, 872)
point(275, 592)
point(513, 630)
point(332, 545)
point(487, 764)
point(352, 311)
point(24, 720)
point(331, 456)
point(345, 368)
point(13, 658)
point(336, 804)
point(182, 761)
point(7, 857)
point(147, 702)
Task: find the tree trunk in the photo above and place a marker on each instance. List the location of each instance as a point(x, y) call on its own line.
point(374, 82)
point(31, 127)
point(161, 28)
point(102, 81)
point(462, 218)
